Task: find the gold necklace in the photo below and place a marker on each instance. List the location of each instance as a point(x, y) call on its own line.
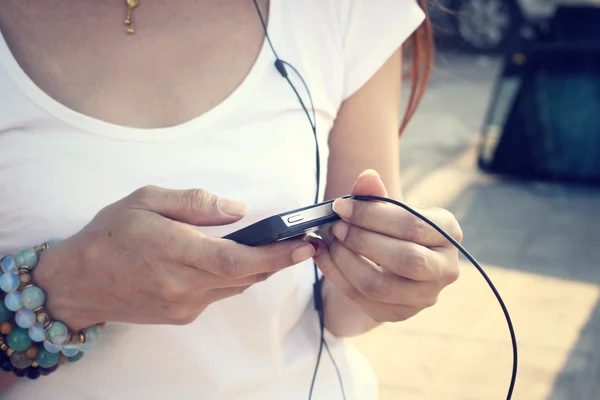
point(131, 4)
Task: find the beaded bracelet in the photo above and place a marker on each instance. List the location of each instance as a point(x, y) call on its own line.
point(31, 343)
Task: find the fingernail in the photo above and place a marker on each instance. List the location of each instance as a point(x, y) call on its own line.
point(370, 172)
point(316, 246)
point(233, 208)
point(303, 253)
point(343, 208)
point(340, 230)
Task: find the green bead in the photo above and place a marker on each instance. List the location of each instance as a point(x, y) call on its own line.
point(76, 357)
point(33, 297)
point(46, 359)
point(18, 339)
point(58, 333)
point(5, 314)
point(26, 258)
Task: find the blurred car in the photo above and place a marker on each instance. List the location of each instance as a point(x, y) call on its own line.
point(491, 26)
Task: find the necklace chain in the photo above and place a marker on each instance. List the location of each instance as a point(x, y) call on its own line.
point(131, 5)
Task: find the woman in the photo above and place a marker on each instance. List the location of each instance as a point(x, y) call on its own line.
point(141, 150)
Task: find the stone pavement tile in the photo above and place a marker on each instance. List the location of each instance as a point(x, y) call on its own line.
point(400, 393)
point(440, 367)
point(460, 347)
point(480, 368)
point(558, 246)
point(573, 223)
point(481, 242)
point(577, 379)
point(492, 207)
point(582, 267)
point(545, 311)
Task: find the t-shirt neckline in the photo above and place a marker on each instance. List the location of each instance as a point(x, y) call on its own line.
point(97, 126)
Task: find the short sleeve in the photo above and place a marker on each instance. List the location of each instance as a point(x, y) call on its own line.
point(372, 31)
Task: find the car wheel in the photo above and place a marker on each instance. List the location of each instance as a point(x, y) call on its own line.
point(487, 26)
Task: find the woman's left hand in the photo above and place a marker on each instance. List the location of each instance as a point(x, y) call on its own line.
point(389, 262)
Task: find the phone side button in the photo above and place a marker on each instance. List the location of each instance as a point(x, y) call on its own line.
point(295, 218)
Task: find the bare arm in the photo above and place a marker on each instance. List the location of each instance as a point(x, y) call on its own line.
point(364, 136)
point(6, 380)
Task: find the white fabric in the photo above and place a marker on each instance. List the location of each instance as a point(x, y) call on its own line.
point(58, 168)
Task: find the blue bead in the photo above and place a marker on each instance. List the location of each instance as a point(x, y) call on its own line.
point(26, 258)
point(9, 282)
point(8, 264)
point(50, 348)
point(33, 297)
point(58, 333)
point(37, 332)
point(25, 318)
point(93, 334)
point(13, 301)
point(70, 351)
point(85, 348)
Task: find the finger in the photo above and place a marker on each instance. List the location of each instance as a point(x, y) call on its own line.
point(183, 245)
point(186, 311)
point(231, 260)
point(369, 183)
point(403, 258)
point(327, 266)
point(380, 312)
point(192, 206)
point(391, 220)
point(376, 283)
point(185, 280)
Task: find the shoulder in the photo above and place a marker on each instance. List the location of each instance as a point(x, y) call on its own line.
point(362, 33)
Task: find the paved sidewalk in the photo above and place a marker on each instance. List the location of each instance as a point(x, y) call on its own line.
point(540, 245)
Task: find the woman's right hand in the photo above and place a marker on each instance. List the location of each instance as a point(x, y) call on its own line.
point(139, 261)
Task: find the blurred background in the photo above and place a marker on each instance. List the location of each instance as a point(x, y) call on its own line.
point(507, 138)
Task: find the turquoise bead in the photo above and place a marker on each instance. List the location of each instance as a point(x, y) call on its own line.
point(58, 333)
point(93, 334)
point(26, 258)
point(46, 359)
point(13, 302)
point(25, 318)
point(5, 314)
point(85, 348)
point(33, 297)
point(76, 357)
point(18, 339)
point(9, 282)
point(37, 332)
point(50, 348)
point(70, 351)
point(8, 264)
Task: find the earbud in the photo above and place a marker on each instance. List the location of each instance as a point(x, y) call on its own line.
point(279, 64)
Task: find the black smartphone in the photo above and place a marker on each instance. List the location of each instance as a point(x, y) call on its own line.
point(286, 225)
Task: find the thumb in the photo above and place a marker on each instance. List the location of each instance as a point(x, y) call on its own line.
point(191, 206)
point(369, 183)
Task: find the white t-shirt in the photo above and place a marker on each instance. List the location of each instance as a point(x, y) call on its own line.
point(58, 168)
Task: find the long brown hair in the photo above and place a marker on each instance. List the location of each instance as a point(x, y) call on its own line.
point(419, 53)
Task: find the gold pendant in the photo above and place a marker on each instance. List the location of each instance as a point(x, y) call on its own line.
point(131, 4)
